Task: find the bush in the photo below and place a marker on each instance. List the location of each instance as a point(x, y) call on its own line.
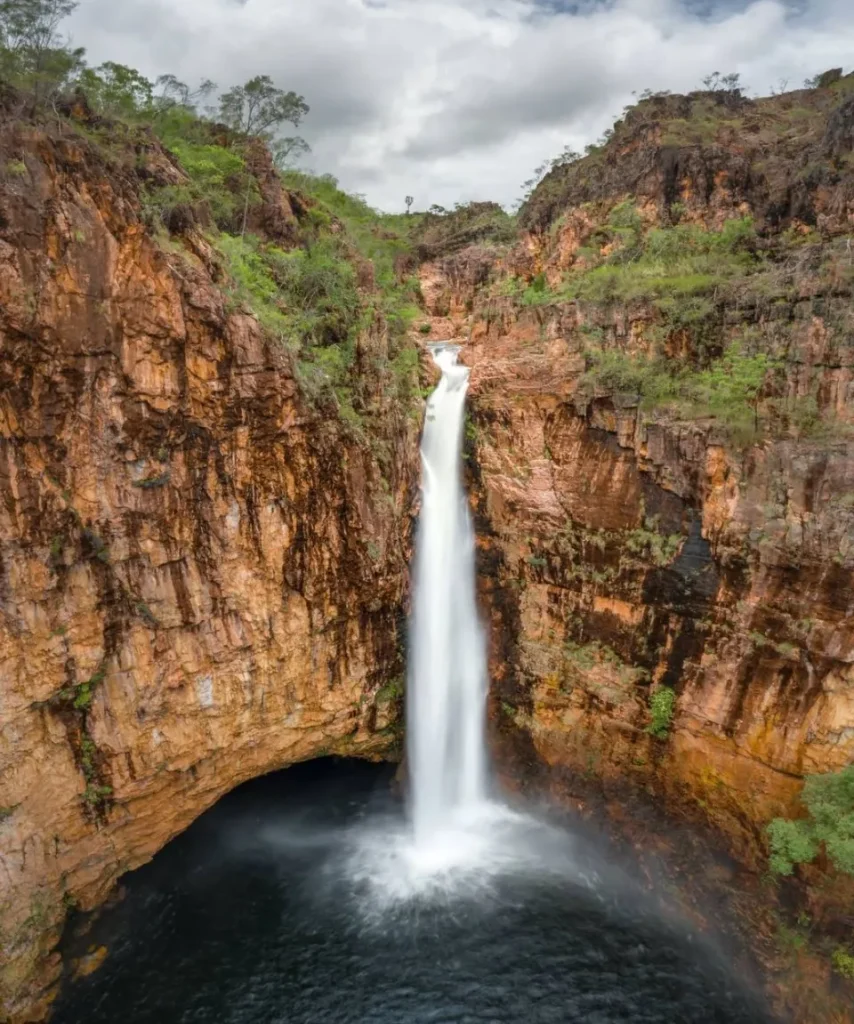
point(661, 707)
point(829, 799)
point(670, 264)
point(843, 963)
point(729, 391)
point(218, 176)
point(384, 239)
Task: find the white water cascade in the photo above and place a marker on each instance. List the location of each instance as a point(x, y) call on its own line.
point(457, 838)
point(447, 686)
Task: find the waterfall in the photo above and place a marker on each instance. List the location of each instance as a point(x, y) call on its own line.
point(446, 689)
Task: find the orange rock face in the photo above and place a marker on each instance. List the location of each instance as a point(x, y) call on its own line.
point(620, 553)
point(202, 578)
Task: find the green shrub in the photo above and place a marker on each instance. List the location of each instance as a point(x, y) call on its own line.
point(218, 178)
point(153, 482)
point(829, 800)
point(647, 542)
point(661, 708)
point(404, 368)
point(729, 390)
point(843, 963)
point(670, 264)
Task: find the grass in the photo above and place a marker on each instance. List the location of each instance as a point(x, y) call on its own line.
point(729, 390)
point(671, 265)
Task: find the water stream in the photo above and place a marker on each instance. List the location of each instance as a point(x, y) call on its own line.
point(447, 672)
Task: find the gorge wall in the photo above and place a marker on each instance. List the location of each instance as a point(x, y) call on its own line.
point(202, 575)
point(203, 557)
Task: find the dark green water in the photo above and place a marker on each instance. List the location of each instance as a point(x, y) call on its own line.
point(266, 911)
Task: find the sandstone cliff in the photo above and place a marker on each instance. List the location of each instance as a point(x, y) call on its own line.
point(202, 573)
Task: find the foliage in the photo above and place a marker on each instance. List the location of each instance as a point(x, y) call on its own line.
point(33, 55)
point(94, 795)
point(670, 264)
point(287, 151)
point(829, 800)
point(716, 82)
point(258, 107)
point(442, 232)
point(661, 708)
point(843, 963)
point(117, 91)
point(306, 297)
point(586, 657)
point(728, 391)
point(646, 541)
point(567, 157)
point(81, 696)
point(390, 692)
point(384, 239)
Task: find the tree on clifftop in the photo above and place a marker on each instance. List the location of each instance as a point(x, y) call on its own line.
point(33, 55)
point(258, 107)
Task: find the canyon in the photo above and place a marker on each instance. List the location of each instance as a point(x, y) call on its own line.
point(203, 572)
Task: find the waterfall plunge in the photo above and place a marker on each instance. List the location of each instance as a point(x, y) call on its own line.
point(447, 671)
point(458, 840)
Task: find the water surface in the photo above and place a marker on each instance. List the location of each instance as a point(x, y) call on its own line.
point(292, 902)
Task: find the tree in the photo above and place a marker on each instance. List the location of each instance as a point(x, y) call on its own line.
point(33, 55)
point(830, 801)
point(175, 93)
point(258, 107)
point(823, 80)
point(287, 152)
point(116, 90)
point(716, 82)
point(409, 201)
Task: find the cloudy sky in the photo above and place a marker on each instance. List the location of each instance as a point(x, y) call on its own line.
point(452, 100)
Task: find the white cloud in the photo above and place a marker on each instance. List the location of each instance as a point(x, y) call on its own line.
point(453, 100)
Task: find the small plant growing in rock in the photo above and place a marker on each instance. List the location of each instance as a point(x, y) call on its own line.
point(843, 963)
point(95, 795)
point(391, 691)
point(661, 706)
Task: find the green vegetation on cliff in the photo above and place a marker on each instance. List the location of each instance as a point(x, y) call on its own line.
point(661, 709)
point(829, 800)
point(318, 268)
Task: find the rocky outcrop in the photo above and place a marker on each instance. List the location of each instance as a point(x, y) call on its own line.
point(202, 576)
point(620, 553)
